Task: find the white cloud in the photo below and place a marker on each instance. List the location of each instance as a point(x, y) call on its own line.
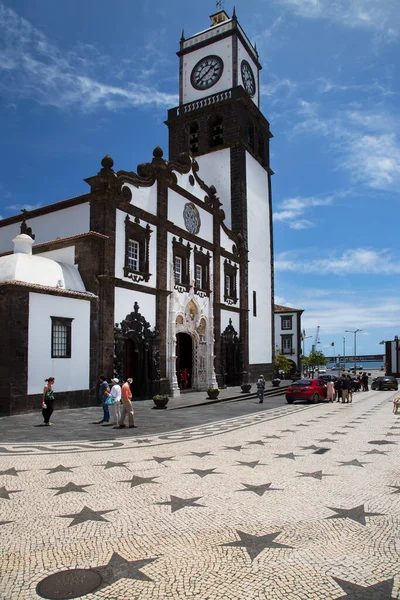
point(381, 16)
point(32, 67)
point(354, 261)
point(293, 209)
point(301, 224)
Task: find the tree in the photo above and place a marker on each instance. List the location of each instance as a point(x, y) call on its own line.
point(282, 363)
point(315, 359)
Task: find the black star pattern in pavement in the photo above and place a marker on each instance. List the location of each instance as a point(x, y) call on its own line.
point(337, 433)
point(4, 493)
point(59, 469)
point(287, 430)
point(257, 443)
point(396, 489)
point(120, 568)
point(177, 503)
point(379, 591)
point(143, 441)
point(202, 454)
point(273, 437)
point(13, 471)
point(302, 425)
point(316, 475)
point(348, 427)
point(288, 455)
point(357, 514)
point(251, 464)
point(258, 489)
point(375, 451)
point(380, 442)
point(392, 434)
point(162, 459)
point(352, 463)
point(86, 514)
point(327, 440)
point(255, 544)
point(313, 447)
point(70, 487)
point(5, 522)
point(204, 472)
point(236, 448)
point(136, 480)
point(111, 465)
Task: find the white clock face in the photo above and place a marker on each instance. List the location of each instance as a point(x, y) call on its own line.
point(192, 218)
point(206, 72)
point(249, 83)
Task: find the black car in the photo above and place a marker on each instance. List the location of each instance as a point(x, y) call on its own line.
point(386, 382)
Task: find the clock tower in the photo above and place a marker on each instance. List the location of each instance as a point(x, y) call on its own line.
point(219, 122)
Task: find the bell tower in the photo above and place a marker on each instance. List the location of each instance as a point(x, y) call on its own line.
point(219, 122)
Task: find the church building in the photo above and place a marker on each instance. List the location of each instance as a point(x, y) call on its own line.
point(155, 271)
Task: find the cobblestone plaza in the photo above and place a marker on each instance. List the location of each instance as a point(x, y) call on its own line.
point(286, 502)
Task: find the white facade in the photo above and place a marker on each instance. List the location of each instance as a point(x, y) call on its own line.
point(70, 373)
point(287, 333)
point(61, 223)
point(259, 245)
point(216, 167)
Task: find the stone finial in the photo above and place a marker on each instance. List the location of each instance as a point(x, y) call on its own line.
point(183, 35)
point(234, 17)
point(158, 152)
point(24, 227)
point(107, 162)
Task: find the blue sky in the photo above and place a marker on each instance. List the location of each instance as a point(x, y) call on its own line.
point(82, 79)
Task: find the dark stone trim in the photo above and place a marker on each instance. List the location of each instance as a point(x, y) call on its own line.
point(141, 235)
point(226, 307)
point(137, 287)
point(265, 369)
point(41, 289)
point(235, 81)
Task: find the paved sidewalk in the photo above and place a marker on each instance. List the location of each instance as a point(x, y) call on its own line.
point(293, 502)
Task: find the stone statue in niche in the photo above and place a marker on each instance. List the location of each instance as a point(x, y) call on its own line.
point(179, 320)
point(191, 311)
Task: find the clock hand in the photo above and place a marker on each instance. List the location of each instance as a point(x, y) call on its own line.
point(206, 73)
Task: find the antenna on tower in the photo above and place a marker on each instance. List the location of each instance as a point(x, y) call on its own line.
point(220, 4)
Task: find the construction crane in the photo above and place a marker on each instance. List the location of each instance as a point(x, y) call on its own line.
point(316, 340)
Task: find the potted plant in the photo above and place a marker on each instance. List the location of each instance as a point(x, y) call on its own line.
point(213, 393)
point(246, 387)
point(276, 382)
point(160, 401)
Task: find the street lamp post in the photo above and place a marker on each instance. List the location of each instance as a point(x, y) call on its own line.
point(355, 331)
point(344, 354)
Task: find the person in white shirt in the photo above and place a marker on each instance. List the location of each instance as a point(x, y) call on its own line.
point(115, 407)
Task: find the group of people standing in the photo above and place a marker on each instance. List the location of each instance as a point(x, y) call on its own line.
point(342, 389)
point(116, 402)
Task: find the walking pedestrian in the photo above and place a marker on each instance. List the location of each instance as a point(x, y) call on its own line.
point(364, 382)
point(351, 388)
point(115, 405)
point(185, 378)
point(103, 396)
point(260, 388)
point(127, 408)
point(48, 400)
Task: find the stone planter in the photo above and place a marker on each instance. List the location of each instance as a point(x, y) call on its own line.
point(246, 387)
point(276, 382)
point(160, 401)
point(212, 394)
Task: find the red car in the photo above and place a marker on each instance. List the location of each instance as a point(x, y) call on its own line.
point(311, 390)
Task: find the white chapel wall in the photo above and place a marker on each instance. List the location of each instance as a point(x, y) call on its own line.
point(259, 240)
point(215, 170)
point(70, 373)
point(125, 300)
point(144, 197)
point(50, 226)
point(64, 255)
point(184, 183)
point(120, 249)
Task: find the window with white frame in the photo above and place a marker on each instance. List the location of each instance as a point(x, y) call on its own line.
point(228, 285)
point(178, 269)
point(133, 255)
point(287, 346)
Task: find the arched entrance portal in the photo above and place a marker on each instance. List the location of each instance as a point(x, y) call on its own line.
point(184, 359)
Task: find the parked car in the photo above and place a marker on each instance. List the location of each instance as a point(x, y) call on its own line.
point(311, 390)
point(327, 378)
point(321, 371)
point(386, 382)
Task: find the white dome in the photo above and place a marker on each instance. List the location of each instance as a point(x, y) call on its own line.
point(42, 271)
